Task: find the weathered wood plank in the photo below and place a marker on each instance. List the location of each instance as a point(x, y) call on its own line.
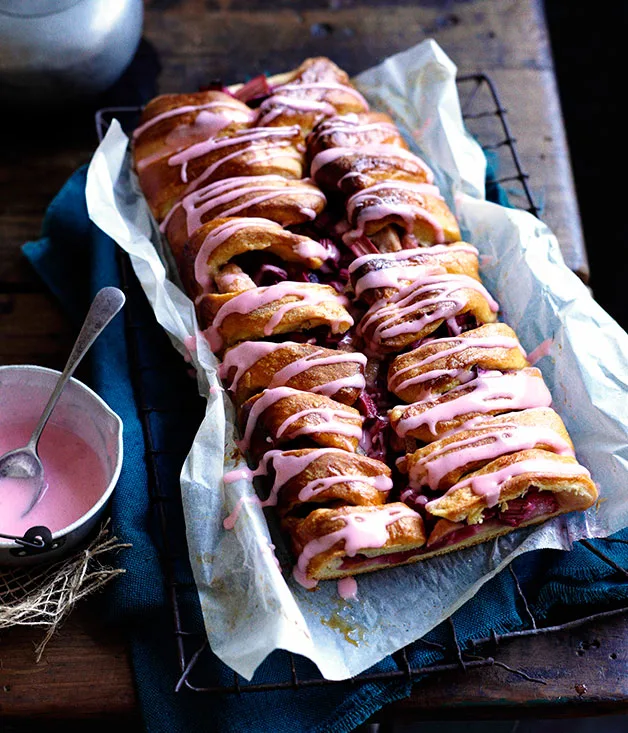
point(584, 672)
point(84, 671)
point(199, 45)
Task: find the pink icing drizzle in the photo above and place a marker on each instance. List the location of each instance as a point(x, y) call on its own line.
point(329, 417)
point(489, 485)
point(309, 360)
point(220, 234)
point(407, 254)
point(506, 438)
point(373, 207)
point(303, 246)
point(250, 300)
point(245, 114)
point(249, 138)
point(323, 85)
point(329, 424)
point(360, 531)
point(349, 125)
point(279, 103)
point(408, 300)
point(245, 355)
point(491, 391)
point(317, 486)
point(325, 157)
point(229, 191)
point(464, 342)
point(286, 467)
point(255, 155)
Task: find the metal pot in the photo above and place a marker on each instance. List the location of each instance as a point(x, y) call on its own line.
point(55, 50)
point(81, 411)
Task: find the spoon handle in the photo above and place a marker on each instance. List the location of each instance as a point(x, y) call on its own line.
point(104, 307)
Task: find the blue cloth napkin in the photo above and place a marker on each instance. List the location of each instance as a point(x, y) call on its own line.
point(76, 259)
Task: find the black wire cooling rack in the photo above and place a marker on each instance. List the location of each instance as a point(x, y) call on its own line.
point(486, 120)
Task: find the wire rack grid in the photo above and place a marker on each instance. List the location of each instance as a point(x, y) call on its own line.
point(486, 120)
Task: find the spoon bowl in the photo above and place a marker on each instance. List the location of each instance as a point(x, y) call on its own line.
point(26, 467)
point(20, 463)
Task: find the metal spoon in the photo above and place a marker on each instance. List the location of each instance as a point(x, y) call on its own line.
point(24, 463)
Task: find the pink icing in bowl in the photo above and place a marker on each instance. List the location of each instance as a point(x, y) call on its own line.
point(81, 448)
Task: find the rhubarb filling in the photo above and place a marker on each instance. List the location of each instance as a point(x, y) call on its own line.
point(535, 505)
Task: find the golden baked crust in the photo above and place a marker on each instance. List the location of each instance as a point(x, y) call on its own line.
point(438, 414)
point(417, 209)
point(335, 379)
point(444, 462)
point(403, 265)
point(315, 90)
point(403, 532)
point(486, 347)
point(350, 170)
point(289, 414)
point(418, 310)
point(308, 488)
point(233, 279)
point(573, 492)
point(225, 180)
point(237, 235)
point(279, 199)
point(227, 322)
point(232, 153)
point(354, 130)
point(171, 122)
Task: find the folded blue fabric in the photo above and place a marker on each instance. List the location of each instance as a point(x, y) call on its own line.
point(76, 259)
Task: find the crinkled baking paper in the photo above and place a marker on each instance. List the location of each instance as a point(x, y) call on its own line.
point(249, 608)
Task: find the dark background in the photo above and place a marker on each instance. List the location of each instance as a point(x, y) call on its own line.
point(589, 45)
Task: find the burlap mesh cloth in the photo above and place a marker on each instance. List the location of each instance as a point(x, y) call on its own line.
point(44, 595)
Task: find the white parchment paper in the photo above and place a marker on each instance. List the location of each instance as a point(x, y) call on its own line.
point(249, 608)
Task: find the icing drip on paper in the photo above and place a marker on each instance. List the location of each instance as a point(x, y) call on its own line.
point(543, 349)
point(348, 588)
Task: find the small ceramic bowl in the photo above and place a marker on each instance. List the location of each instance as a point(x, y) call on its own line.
point(79, 411)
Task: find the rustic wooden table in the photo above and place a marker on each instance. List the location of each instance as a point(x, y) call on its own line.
point(85, 671)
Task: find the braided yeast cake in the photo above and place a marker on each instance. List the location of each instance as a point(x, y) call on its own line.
point(394, 417)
